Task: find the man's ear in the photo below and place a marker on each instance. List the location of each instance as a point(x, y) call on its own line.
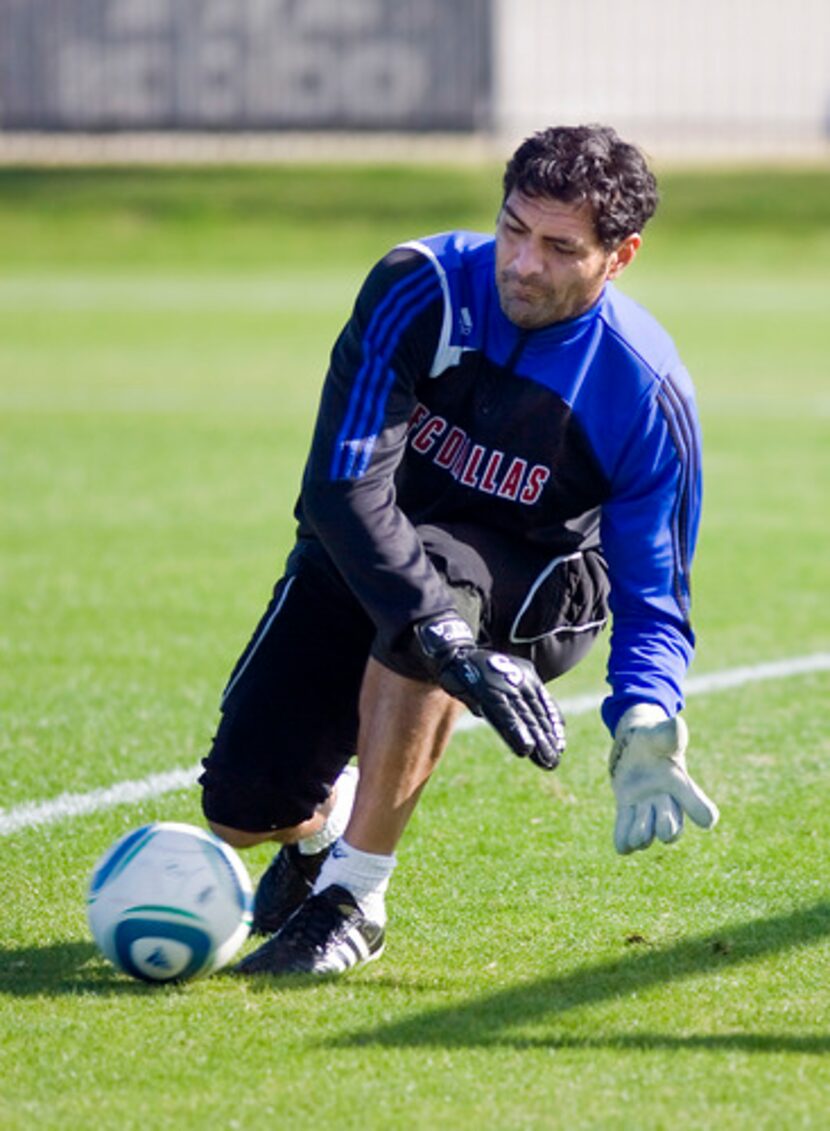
point(623, 254)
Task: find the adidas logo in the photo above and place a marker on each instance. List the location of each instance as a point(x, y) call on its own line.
point(158, 959)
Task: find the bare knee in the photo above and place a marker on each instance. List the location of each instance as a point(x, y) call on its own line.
point(239, 838)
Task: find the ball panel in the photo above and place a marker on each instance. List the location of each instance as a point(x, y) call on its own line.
point(232, 875)
point(118, 857)
point(157, 951)
point(159, 960)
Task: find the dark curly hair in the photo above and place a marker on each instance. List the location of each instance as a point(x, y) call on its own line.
point(587, 163)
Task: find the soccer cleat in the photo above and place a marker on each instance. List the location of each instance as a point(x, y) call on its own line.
point(285, 884)
point(327, 935)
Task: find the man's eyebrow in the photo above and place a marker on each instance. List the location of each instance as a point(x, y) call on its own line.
point(566, 241)
point(572, 242)
point(514, 216)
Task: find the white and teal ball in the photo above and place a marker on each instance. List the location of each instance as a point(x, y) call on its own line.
point(169, 902)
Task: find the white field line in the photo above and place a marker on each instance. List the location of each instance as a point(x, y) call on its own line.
point(67, 805)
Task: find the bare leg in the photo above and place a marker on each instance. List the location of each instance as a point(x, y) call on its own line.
point(405, 726)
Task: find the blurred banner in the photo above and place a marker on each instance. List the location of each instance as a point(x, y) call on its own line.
point(714, 76)
point(244, 64)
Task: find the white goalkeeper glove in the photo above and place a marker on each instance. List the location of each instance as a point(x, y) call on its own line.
point(650, 780)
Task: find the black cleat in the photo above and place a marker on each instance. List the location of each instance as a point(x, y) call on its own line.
point(285, 884)
point(327, 935)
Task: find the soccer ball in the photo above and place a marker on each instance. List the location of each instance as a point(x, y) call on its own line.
point(169, 902)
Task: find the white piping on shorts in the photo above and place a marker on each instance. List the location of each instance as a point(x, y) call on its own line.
point(528, 601)
point(256, 643)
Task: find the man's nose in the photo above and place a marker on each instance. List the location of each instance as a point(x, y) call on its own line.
point(527, 260)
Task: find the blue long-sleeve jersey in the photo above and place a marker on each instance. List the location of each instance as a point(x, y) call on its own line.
point(438, 409)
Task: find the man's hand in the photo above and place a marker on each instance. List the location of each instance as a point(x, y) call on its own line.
point(650, 781)
point(506, 691)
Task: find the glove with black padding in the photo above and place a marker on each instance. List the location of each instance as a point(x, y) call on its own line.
point(504, 690)
point(651, 784)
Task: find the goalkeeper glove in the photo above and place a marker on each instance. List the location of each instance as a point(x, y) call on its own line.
point(651, 784)
point(506, 691)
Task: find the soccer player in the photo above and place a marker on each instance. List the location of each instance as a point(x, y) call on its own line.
point(506, 453)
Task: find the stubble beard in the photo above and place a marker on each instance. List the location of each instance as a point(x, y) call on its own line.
point(527, 307)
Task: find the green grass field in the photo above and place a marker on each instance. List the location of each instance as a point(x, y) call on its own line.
point(163, 336)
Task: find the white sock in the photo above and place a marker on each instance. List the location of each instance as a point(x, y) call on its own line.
point(335, 823)
point(365, 874)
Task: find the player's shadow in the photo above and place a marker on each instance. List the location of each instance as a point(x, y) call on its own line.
point(503, 1018)
point(60, 968)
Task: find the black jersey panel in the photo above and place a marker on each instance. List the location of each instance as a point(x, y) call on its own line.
point(475, 450)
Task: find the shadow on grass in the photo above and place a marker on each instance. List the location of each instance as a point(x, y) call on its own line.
point(498, 1019)
point(62, 968)
point(493, 1020)
point(78, 968)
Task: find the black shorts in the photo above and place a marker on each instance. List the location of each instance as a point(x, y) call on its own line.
point(290, 709)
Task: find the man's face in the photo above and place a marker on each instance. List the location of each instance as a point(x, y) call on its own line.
point(550, 265)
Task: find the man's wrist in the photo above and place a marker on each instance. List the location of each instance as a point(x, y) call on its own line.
point(641, 715)
point(442, 636)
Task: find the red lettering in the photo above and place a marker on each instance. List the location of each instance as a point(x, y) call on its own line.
point(539, 475)
point(488, 479)
point(460, 459)
point(473, 464)
point(419, 414)
point(429, 433)
point(513, 479)
point(476, 456)
point(450, 448)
